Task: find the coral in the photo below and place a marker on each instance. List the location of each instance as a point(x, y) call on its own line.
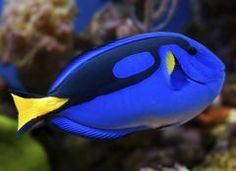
point(37, 35)
point(110, 23)
point(123, 18)
point(30, 26)
point(176, 168)
point(214, 115)
point(152, 14)
point(229, 92)
point(219, 161)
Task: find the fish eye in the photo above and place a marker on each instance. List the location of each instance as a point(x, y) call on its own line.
point(192, 50)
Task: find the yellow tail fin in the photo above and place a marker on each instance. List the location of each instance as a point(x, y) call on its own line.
point(32, 108)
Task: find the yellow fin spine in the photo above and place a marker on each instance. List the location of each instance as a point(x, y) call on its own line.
point(170, 62)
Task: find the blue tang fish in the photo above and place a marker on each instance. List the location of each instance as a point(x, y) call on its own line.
point(10, 74)
point(147, 81)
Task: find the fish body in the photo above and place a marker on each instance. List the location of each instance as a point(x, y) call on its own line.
point(142, 82)
point(11, 76)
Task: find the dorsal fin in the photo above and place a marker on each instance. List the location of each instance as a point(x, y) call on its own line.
point(78, 129)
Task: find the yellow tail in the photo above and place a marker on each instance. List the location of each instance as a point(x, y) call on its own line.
point(32, 108)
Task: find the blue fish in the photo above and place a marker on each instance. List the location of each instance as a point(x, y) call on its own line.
point(11, 76)
point(147, 81)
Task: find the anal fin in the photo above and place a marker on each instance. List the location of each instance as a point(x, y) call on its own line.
point(72, 127)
